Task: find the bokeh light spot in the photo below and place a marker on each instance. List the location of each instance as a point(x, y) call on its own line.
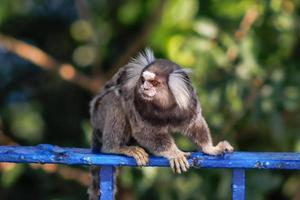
point(84, 55)
point(67, 72)
point(81, 30)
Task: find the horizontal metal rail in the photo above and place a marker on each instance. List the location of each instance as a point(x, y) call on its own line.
point(238, 161)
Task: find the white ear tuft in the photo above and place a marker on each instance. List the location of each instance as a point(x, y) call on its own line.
point(145, 57)
point(178, 84)
point(137, 64)
point(187, 70)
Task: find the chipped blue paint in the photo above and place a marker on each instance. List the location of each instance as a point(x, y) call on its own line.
point(238, 161)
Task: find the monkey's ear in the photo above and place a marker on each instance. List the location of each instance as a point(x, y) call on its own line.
point(136, 66)
point(179, 85)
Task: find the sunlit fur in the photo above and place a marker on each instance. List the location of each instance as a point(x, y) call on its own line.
point(178, 83)
point(136, 66)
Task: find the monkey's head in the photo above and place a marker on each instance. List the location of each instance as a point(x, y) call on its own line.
point(153, 84)
point(159, 85)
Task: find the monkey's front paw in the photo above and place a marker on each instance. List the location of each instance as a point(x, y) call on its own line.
point(226, 147)
point(179, 163)
point(137, 153)
point(221, 147)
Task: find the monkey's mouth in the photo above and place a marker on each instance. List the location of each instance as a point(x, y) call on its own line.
point(147, 95)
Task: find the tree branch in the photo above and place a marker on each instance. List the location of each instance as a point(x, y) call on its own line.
point(244, 27)
point(41, 59)
point(246, 23)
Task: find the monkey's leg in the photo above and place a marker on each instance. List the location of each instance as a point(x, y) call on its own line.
point(200, 134)
point(116, 135)
point(163, 145)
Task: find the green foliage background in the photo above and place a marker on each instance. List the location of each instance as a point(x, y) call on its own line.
point(245, 61)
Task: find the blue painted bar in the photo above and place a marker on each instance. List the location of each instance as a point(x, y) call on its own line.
point(45, 153)
point(238, 184)
point(106, 183)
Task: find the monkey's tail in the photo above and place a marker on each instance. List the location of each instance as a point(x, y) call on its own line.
point(93, 190)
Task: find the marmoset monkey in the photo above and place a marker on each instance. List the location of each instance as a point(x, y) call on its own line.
point(147, 100)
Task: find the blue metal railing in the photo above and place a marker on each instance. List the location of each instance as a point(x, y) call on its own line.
point(237, 161)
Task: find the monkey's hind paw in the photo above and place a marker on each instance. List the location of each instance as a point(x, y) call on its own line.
point(180, 163)
point(138, 153)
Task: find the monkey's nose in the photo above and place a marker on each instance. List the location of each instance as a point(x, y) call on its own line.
point(146, 86)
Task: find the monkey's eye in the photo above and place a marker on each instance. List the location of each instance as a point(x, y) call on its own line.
point(142, 79)
point(154, 83)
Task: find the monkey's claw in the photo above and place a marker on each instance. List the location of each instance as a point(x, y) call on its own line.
point(179, 163)
point(137, 153)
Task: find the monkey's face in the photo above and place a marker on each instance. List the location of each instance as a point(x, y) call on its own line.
point(149, 85)
point(154, 88)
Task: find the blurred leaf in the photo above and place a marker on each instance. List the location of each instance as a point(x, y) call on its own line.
point(84, 55)
point(206, 28)
point(87, 129)
point(129, 12)
point(267, 181)
point(291, 186)
point(81, 30)
point(12, 173)
point(27, 123)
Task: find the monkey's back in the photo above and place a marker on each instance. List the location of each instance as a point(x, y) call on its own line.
point(102, 106)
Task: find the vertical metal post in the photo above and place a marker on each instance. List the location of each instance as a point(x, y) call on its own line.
point(106, 183)
point(238, 184)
